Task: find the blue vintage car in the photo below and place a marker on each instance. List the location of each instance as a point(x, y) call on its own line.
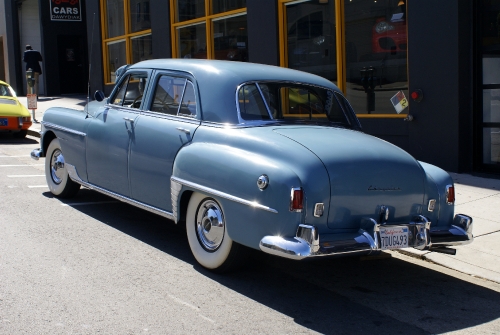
point(250, 155)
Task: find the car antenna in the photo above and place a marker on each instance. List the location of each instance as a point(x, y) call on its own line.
point(90, 69)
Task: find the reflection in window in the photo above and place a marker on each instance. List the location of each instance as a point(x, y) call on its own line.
point(188, 104)
point(311, 37)
point(282, 101)
point(220, 6)
point(131, 91)
point(168, 92)
point(142, 48)
point(117, 57)
point(376, 58)
point(139, 15)
point(192, 41)
point(231, 39)
point(115, 18)
point(491, 145)
point(190, 9)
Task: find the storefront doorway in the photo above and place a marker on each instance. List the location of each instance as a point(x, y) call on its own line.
point(71, 64)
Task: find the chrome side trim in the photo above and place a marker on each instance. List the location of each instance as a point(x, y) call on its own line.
point(73, 174)
point(222, 194)
point(175, 189)
point(68, 130)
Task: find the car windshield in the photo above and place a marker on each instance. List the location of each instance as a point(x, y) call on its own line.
point(292, 102)
point(5, 91)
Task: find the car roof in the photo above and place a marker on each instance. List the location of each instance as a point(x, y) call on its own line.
point(218, 80)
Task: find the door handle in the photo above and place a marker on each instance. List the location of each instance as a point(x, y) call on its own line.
point(184, 130)
point(129, 119)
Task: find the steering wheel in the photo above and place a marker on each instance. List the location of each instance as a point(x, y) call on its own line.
point(135, 101)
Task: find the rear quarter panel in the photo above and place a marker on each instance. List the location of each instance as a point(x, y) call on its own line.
point(231, 160)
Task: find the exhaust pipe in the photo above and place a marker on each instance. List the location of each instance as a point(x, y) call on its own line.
point(448, 251)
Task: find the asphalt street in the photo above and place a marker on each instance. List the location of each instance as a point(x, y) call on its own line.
point(92, 265)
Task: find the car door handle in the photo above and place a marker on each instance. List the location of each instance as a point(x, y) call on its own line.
point(184, 130)
point(129, 119)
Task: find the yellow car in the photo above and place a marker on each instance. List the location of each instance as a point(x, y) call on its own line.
point(14, 116)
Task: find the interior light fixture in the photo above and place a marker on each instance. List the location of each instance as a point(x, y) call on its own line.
point(401, 3)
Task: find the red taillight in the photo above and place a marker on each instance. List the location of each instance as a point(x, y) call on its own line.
point(297, 200)
point(450, 194)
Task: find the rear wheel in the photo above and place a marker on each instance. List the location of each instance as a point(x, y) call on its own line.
point(207, 235)
point(56, 174)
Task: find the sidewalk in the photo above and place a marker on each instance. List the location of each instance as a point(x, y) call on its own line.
point(76, 101)
point(475, 196)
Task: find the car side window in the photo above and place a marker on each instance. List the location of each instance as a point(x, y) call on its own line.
point(251, 105)
point(188, 104)
point(167, 94)
point(131, 90)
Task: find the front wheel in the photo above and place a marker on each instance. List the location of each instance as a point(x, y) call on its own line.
point(56, 174)
point(207, 235)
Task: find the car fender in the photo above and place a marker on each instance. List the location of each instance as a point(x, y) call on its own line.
point(436, 182)
point(69, 126)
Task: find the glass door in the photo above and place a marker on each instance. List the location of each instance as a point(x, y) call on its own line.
point(488, 113)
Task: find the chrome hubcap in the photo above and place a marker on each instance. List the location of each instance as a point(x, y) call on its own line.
point(57, 166)
point(210, 225)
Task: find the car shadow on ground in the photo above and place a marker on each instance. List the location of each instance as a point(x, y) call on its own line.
point(341, 296)
point(8, 138)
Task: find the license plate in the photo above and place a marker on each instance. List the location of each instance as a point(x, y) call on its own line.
point(3, 122)
point(393, 237)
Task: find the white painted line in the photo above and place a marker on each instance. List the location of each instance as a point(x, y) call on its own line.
point(14, 156)
point(37, 186)
point(25, 175)
point(22, 165)
point(179, 301)
point(90, 203)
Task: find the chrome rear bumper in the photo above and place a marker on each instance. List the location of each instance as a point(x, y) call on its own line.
point(307, 243)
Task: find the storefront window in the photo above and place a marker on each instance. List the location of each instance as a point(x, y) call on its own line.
point(125, 41)
point(231, 39)
point(210, 34)
point(117, 57)
point(190, 9)
point(220, 6)
point(489, 64)
point(311, 37)
point(491, 145)
point(141, 48)
point(192, 41)
point(115, 18)
point(139, 15)
point(375, 54)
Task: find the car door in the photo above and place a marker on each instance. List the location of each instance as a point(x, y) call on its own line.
point(110, 133)
point(165, 127)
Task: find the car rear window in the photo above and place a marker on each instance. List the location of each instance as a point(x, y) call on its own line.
point(4, 91)
point(291, 101)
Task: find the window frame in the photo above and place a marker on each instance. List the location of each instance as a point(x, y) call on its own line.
point(127, 37)
point(208, 20)
point(340, 47)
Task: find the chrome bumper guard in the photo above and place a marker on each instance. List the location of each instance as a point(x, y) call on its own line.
point(36, 154)
point(307, 244)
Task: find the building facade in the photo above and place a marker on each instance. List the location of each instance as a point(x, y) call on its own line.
point(443, 56)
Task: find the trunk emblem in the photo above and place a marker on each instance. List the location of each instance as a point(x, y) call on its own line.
point(376, 188)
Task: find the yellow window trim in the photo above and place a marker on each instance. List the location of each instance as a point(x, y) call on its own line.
point(127, 37)
point(340, 46)
point(207, 20)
